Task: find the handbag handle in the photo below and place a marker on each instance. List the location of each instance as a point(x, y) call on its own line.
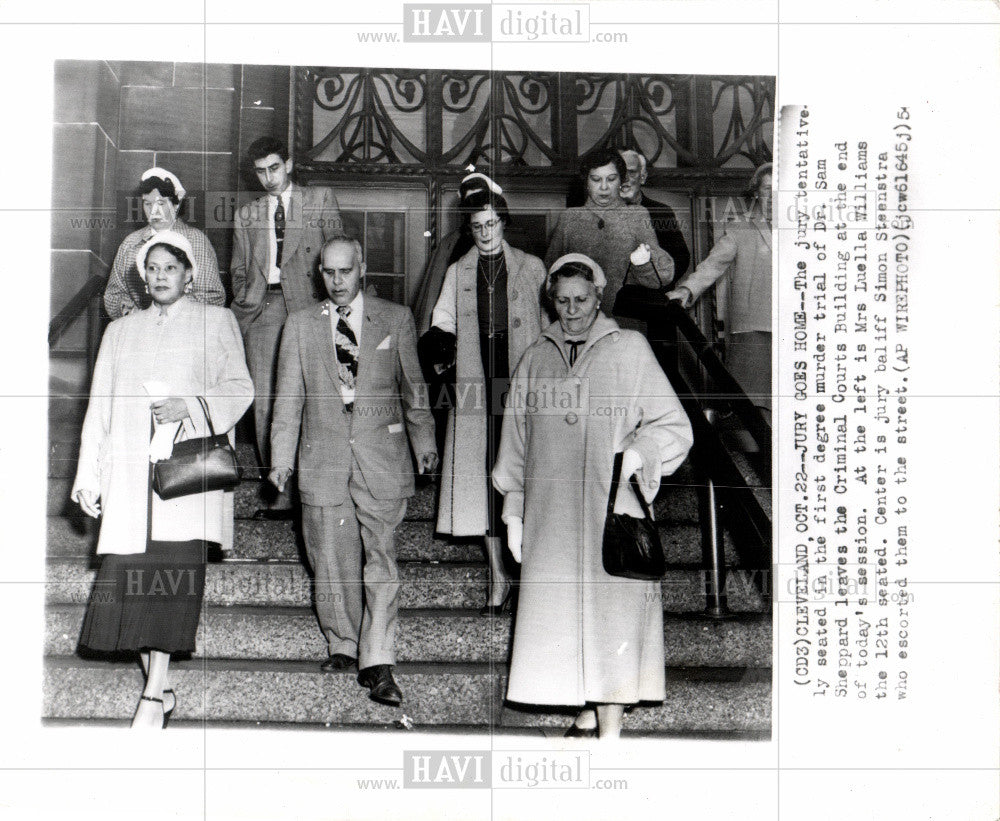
point(208, 418)
point(616, 478)
point(656, 271)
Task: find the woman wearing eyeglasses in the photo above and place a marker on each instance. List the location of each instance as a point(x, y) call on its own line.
point(490, 306)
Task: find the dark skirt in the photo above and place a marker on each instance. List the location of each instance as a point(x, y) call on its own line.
point(147, 601)
point(497, 371)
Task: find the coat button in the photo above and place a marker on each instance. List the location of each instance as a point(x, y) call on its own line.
point(571, 418)
point(350, 441)
point(513, 295)
point(516, 323)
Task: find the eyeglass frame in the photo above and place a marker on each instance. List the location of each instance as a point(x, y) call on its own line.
point(485, 227)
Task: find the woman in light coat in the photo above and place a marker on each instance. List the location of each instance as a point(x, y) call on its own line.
point(586, 390)
point(152, 366)
point(490, 305)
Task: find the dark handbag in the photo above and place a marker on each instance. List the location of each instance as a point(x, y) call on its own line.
point(197, 465)
point(631, 546)
point(636, 301)
point(436, 351)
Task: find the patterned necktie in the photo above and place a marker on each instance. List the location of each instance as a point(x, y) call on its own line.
point(347, 349)
point(574, 348)
point(279, 230)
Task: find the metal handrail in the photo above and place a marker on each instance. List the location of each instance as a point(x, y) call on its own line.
point(76, 306)
point(723, 492)
point(726, 386)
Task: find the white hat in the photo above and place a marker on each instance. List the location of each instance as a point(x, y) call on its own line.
point(600, 281)
point(492, 186)
point(165, 238)
point(163, 174)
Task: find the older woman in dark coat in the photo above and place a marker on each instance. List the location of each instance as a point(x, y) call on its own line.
point(586, 390)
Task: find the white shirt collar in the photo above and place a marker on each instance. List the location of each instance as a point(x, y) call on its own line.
point(285, 195)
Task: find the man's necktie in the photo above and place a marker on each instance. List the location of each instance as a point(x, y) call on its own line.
point(279, 230)
point(574, 348)
point(347, 349)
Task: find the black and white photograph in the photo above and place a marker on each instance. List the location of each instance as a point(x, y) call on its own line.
point(501, 411)
point(436, 530)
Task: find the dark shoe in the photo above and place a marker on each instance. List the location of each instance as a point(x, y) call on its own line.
point(504, 607)
point(379, 680)
point(580, 732)
point(173, 703)
point(338, 662)
point(273, 514)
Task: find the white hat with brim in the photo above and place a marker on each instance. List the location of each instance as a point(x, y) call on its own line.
point(163, 174)
point(165, 238)
point(600, 280)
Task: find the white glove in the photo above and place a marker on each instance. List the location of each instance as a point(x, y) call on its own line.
point(641, 255)
point(515, 535)
point(631, 463)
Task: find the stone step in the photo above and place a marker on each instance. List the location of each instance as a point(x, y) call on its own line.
point(426, 635)
point(466, 696)
point(447, 585)
point(77, 536)
point(676, 503)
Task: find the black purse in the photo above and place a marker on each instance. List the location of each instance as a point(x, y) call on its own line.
point(631, 546)
point(636, 301)
point(197, 465)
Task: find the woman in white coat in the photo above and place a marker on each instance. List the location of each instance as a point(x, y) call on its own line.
point(489, 307)
point(152, 366)
point(586, 390)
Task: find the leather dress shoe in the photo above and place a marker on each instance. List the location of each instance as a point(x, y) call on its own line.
point(379, 680)
point(338, 662)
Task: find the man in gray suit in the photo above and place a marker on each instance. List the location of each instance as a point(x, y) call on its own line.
point(276, 246)
point(348, 384)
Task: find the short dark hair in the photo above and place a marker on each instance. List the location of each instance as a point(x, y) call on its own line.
point(601, 158)
point(480, 200)
point(165, 187)
point(266, 146)
point(178, 253)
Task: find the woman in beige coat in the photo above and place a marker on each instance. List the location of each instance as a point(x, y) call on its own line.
point(490, 305)
point(152, 366)
point(586, 390)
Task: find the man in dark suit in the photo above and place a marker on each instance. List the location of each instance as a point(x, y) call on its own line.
point(348, 384)
point(276, 244)
point(665, 225)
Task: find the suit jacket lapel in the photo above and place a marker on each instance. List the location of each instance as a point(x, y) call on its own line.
point(294, 222)
point(323, 342)
point(262, 237)
point(373, 331)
